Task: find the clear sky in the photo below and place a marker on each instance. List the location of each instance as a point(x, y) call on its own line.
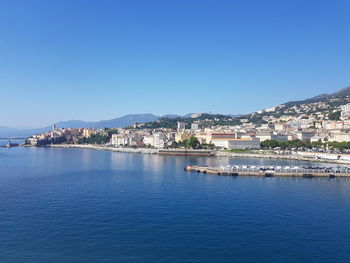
point(93, 60)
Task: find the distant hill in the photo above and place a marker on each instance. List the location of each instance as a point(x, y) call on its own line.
point(123, 121)
point(4, 131)
point(116, 122)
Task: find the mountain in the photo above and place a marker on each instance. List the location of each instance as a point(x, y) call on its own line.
point(123, 121)
point(343, 93)
point(7, 130)
point(116, 122)
point(330, 103)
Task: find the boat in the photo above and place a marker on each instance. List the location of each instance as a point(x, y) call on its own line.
point(308, 175)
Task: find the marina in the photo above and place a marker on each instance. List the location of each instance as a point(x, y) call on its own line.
point(271, 171)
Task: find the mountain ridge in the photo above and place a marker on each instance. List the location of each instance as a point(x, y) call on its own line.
point(122, 121)
point(324, 96)
point(118, 122)
point(130, 119)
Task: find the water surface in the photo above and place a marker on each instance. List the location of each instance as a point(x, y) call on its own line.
point(75, 205)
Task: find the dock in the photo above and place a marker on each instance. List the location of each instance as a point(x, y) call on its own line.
point(186, 152)
point(272, 171)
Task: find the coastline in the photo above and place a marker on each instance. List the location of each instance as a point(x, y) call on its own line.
point(294, 157)
point(106, 148)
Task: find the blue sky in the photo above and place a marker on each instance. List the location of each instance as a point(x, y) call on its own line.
point(93, 60)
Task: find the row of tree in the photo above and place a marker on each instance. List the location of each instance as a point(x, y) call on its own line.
point(297, 144)
point(192, 143)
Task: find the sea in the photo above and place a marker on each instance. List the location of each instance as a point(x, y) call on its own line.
point(79, 205)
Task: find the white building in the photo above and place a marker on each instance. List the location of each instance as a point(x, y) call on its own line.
point(159, 140)
point(333, 125)
point(237, 144)
point(340, 137)
point(156, 140)
point(181, 126)
point(280, 126)
point(148, 140)
point(272, 109)
point(119, 140)
point(305, 136)
point(194, 126)
point(345, 111)
point(270, 136)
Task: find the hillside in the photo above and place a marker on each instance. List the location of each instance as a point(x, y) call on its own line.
point(341, 94)
point(316, 107)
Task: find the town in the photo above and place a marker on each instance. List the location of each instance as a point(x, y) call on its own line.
point(323, 125)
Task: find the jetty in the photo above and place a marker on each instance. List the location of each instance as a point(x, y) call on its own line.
point(9, 145)
point(186, 152)
point(271, 171)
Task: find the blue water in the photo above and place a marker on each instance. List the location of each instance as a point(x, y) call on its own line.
point(73, 205)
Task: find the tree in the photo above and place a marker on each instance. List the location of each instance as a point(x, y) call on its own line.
point(269, 144)
point(334, 116)
point(193, 142)
point(174, 145)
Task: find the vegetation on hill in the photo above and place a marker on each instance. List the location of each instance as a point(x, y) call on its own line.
point(334, 116)
point(98, 138)
point(205, 120)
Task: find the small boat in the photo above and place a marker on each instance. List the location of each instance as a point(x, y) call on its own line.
point(308, 175)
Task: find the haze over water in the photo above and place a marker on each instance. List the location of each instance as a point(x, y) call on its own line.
point(67, 205)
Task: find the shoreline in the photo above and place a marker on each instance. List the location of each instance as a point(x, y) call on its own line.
point(105, 148)
point(294, 157)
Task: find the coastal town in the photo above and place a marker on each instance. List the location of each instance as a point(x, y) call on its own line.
point(316, 126)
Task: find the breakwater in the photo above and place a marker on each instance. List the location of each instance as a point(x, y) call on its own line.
point(271, 171)
point(300, 156)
